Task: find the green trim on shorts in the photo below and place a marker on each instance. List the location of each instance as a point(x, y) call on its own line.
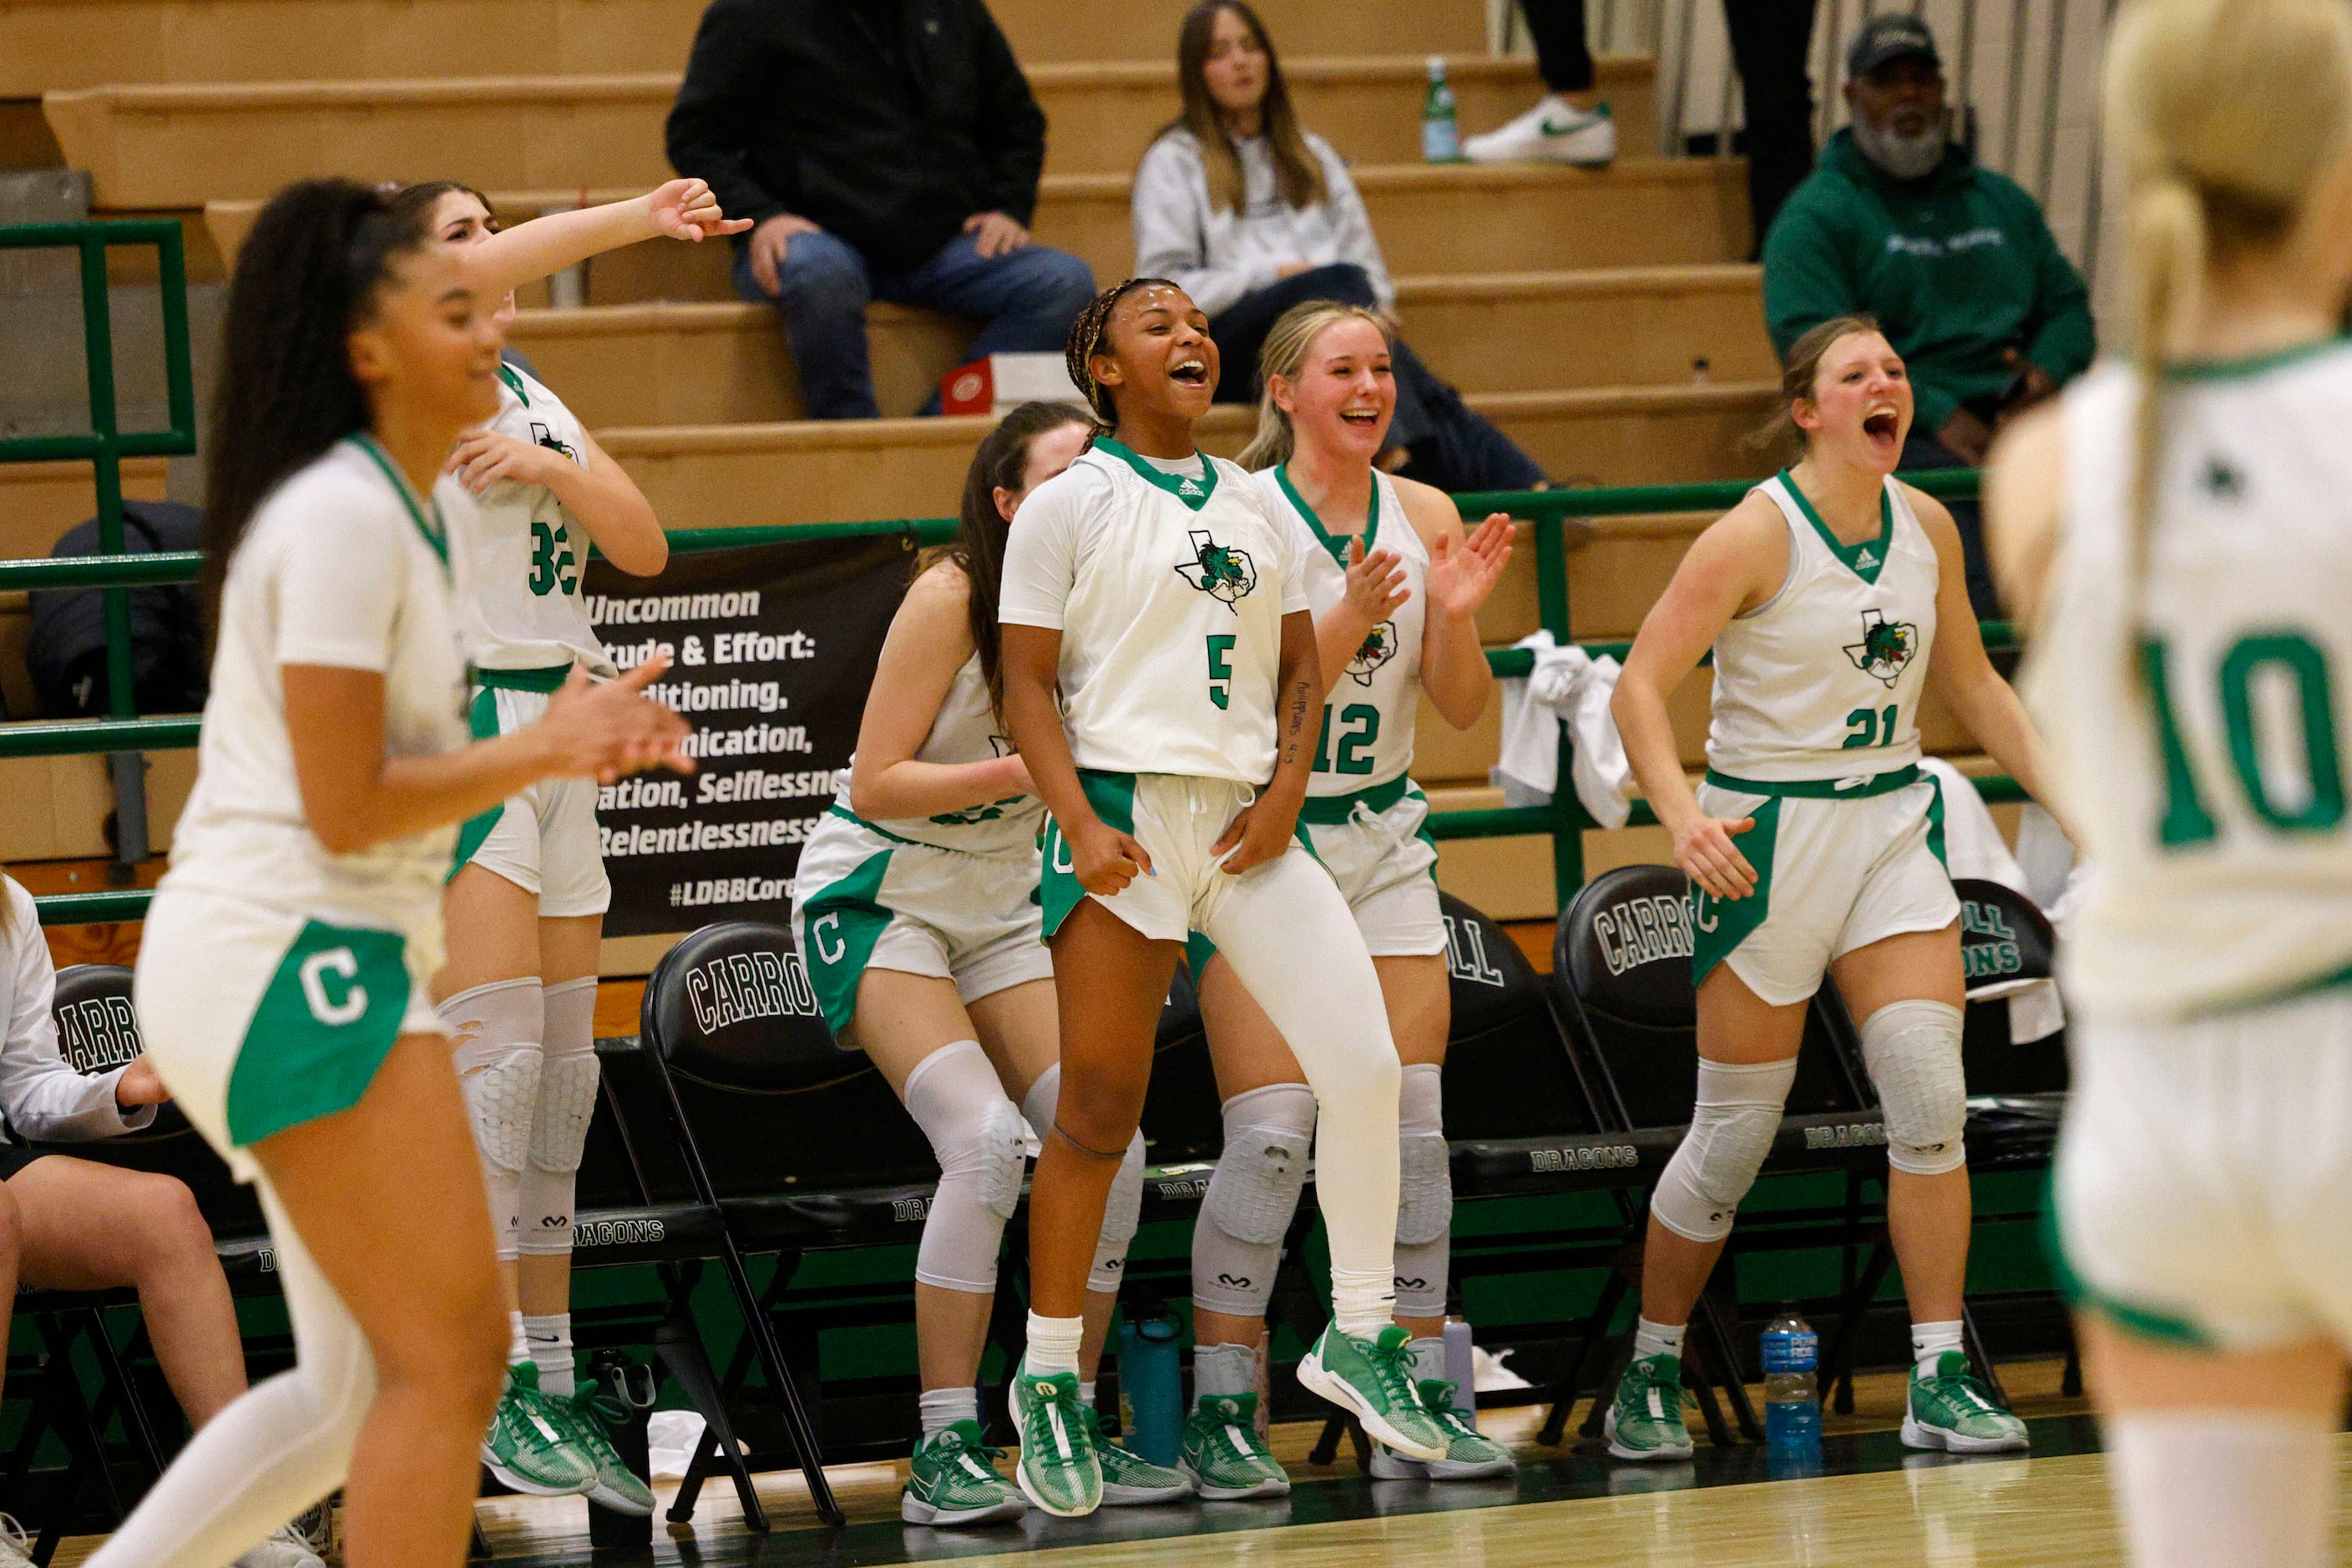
point(1058, 892)
point(843, 812)
point(1334, 810)
point(482, 720)
point(2140, 1322)
point(1820, 789)
point(322, 1029)
point(853, 904)
point(547, 679)
point(1737, 919)
point(1936, 823)
point(1198, 951)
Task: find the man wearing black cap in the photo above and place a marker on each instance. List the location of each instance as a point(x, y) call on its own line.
point(1956, 261)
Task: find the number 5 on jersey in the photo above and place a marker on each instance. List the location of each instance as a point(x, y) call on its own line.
point(1220, 668)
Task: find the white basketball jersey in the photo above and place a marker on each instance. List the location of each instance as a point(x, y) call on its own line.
point(966, 731)
point(1169, 592)
point(1369, 718)
point(1823, 679)
point(529, 611)
point(2209, 785)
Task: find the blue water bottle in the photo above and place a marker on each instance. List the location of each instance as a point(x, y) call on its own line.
point(1151, 1388)
point(1792, 1411)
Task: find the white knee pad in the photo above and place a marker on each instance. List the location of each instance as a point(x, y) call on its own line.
point(1425, 1193)
point(1913, 1051)
point(1123, 1210)
point(559, 1127)
point(975, 1133)
point(1237, 1241)
point(1732, 1127)
point(497, 1029)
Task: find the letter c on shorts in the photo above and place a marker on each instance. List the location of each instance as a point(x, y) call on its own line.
point(340, 960)
point(817, 933)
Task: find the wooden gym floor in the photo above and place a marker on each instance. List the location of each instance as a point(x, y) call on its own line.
point(1873, 1501)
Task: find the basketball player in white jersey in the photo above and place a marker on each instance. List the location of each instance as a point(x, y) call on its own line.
point(1161, 681)
point(282, 975)
point(1395, 587)
point(526, 905)
point(1833, 599)
point(915, 908)
point(2177, 532)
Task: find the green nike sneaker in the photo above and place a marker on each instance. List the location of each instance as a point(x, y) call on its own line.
point(1951, 1410)
point(1223, 1454)
point(1645, 1419)
point(954, 1481)
point(1060, 1467)
point(1374, 1378)
point(1129, 1479)
point(1470, 1454)
point(595, 1419)
point(531, 1447)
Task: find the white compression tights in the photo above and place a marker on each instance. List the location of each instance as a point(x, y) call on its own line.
point(2253, 1488)
point(1287, 933)
point(280, 1447)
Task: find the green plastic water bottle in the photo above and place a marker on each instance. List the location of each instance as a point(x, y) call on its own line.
point(1441, 134)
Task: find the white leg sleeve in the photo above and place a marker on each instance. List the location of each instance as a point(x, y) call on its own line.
point(1253, 1192)
point(1426, 1194)
point(495, 1031)
point(278, 1448)
point(1913, 1051)
point(559, 1124)
point(2199, 1487)
point(1732, 1127)
point(1123, 1210)
point(954, 1097)
point(1288, 935)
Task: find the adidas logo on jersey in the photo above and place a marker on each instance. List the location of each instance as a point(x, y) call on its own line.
point(1886, 648)
point(1189, 488)
point(1866, 561)
point(1220, 570)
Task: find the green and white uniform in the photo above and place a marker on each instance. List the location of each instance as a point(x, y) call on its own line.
point(1815, 734)
point(275, 974)
point(2204, 1183)
point(1364, 818)
point(527, 626)
point(953, 895)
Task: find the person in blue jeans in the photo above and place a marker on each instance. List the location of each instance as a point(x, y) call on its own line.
point(885, 150)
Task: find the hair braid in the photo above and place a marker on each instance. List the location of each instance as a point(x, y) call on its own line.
point(1086, 340)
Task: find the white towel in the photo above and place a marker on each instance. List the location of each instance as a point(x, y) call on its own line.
point(1973, 847)
point(1567, 686)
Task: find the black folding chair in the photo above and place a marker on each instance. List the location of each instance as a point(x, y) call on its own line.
point(1622, 976)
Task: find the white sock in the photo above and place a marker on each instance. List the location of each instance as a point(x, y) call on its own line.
point(1363, 1302)
point(1428, 1359)
point(550, 1350)
point(1658, 1339)
point(2201, 1487)
point(518, 1341)
point(1086, 1394)
point(1053, 1345)
point(943, 1407)
point(1929, 1341)
point(1223, 1369)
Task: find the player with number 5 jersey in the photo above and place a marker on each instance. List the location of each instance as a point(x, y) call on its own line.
point(1834, 602)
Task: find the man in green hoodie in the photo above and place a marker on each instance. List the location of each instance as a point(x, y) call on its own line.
point(1956, 261)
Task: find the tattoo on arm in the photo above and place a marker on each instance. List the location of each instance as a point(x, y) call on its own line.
point(1296, 728)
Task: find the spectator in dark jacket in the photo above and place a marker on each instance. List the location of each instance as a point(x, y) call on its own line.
point(887, 149)
point(1955, 260)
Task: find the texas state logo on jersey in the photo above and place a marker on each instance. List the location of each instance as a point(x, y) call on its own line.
point(1886, 648)
point(1380, 647)
point(1223, 573)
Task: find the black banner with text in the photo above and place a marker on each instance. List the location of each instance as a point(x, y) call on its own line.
point(772, 648)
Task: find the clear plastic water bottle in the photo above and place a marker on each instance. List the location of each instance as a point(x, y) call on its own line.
point(1441, 134)
point(1792, 1411)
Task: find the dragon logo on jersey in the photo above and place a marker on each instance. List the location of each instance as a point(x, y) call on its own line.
point(1885, 647)
point(542, 436)
point(1219, 571)
point(1380, 647)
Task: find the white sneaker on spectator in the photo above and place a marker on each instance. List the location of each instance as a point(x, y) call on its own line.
point(289, 1548)
point(1554, 131)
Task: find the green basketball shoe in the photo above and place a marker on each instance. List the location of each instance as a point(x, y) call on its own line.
point(1374, 1378)
point(1470, 1454)
point(1950, 1409)
point(532, 1446)
point(1130, 1481)
point(1645, 1419)
point(954, 1481)
point(595, 1419)
point(1223, 1454)
point(1060, 1467)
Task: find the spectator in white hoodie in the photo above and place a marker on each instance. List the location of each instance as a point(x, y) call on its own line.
point(1250, 215)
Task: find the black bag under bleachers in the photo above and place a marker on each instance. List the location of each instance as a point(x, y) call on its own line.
point(67, 652)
